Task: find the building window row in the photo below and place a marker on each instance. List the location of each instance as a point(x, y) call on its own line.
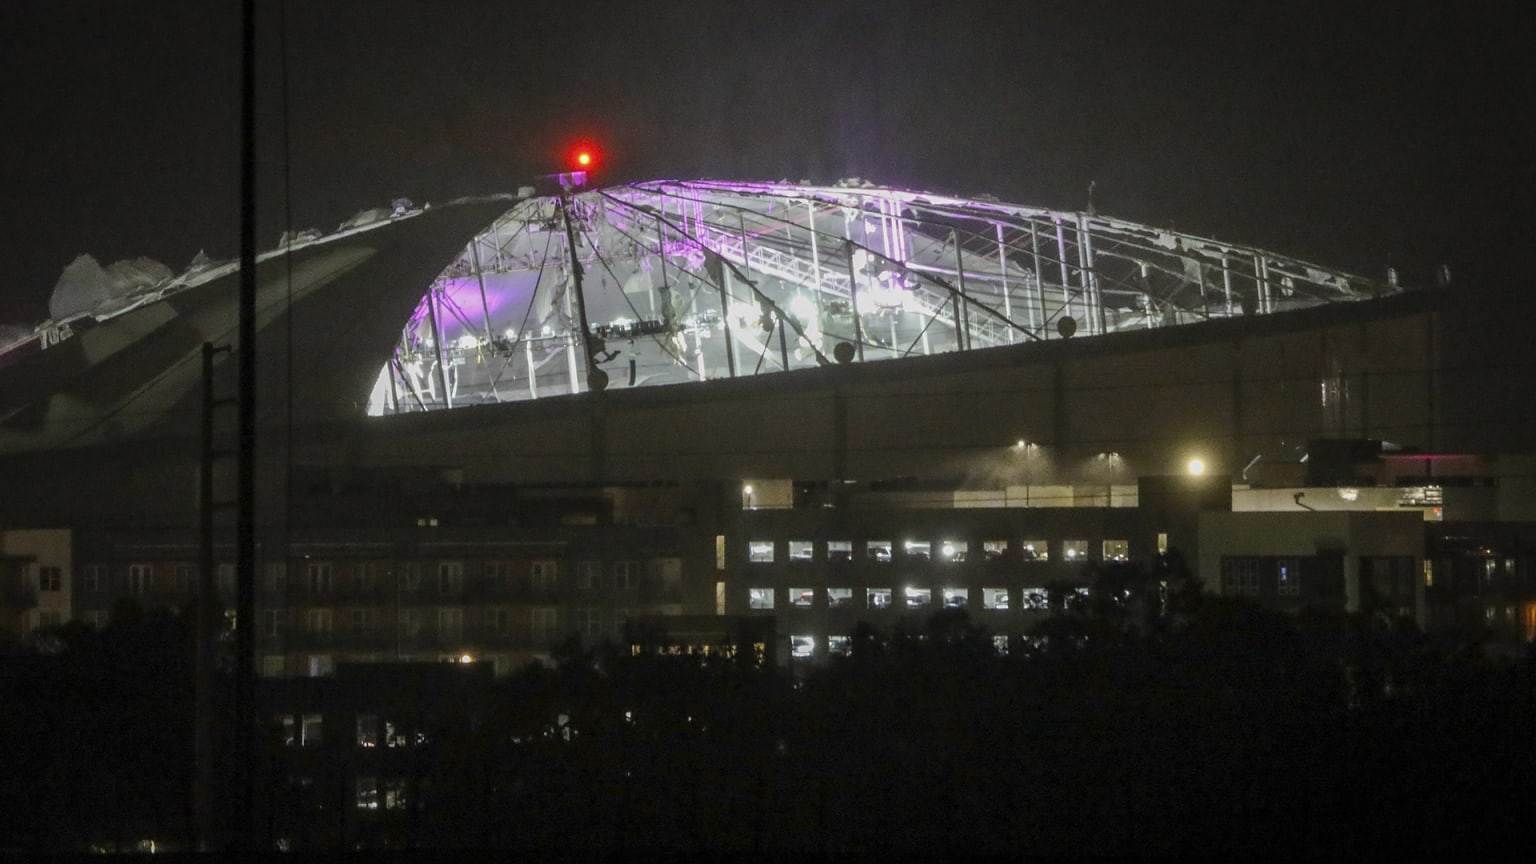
point(804, 646)
point(946, 551)
point(906, 597)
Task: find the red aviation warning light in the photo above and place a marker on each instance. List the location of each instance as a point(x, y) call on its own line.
point(583, 156)
point(580, 161)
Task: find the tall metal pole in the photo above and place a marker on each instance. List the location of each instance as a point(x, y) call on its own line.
point(207, 631)
point(810, 225)
point(584, 331)
point(245, 522)
point(962, 303)
point(437, 345)
point(1090, 278)
point(485, 306)
point(725, 319)
point(1061, 257)
point(1002, 269)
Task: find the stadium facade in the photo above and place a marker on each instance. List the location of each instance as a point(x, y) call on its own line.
point(489, 425)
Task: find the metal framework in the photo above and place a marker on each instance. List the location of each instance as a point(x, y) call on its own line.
point(685, 281)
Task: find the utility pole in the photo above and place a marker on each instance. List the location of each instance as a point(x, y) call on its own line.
point(245, 522)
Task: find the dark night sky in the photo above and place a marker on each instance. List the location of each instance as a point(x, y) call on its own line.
point(1357, 134)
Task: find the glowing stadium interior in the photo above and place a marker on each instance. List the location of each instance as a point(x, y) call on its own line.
point(694, 280)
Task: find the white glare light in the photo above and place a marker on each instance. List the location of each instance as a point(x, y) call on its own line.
point(1196, 467)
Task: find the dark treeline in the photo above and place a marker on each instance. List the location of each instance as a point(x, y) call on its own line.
point(1141, 720)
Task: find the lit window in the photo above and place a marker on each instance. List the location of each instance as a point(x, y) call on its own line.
point(839, 644)
point(759, 598)
point(1000, 644)
point(802, 597)
point(760, 551)
point(878, 598)
point(1035, 550)
point(801, 550)
point(839, 597)
point(393, 790)
point(1116, 550)
point(994, 598)
point(918, 598)
point(1035, 599)
point(917, 550)
point(395, 735)
point(877, 550)
point(953, 551)
point(367, 793)
point(1074, 550)
point(839, 550)
point(956, 598)
point(993, 550)
point(802, 646)
point(1287, 577)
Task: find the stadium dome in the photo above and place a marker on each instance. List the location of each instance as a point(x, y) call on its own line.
point(564, 289)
